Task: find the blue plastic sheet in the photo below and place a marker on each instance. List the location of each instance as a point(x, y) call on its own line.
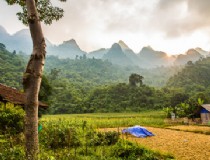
point(138, 131)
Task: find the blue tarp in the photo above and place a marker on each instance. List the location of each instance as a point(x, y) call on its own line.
point(138, 131)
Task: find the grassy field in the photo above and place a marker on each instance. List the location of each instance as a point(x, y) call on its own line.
point(107, 120)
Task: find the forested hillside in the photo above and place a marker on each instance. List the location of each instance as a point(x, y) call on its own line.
point(194, 78)
point(93, 72)
point(84, 71)
point(11, 68)
point(83, 84)
point(94, 85)
point(124, 98)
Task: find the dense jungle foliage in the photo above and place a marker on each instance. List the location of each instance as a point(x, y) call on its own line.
point(92, 85)
point(194, 78)
point(11, 68)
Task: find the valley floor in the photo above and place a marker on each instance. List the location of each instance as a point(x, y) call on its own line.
point(183, 145)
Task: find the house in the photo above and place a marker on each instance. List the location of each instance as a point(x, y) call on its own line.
point(205, 113)
point(12, 95)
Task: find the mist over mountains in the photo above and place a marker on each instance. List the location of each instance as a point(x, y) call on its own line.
point(119, 53)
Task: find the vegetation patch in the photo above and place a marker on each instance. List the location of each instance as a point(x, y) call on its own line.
point(70, 139)
point(11, 118)
point(108, 120)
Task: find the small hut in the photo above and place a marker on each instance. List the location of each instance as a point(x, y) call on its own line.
point(205, 113)
point(12, 95)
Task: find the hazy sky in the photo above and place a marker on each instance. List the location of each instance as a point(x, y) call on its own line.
point(172, 26)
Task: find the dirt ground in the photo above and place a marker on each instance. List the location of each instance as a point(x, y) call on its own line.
point(183, 145)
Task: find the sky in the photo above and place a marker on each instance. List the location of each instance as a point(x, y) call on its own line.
point(172, 26)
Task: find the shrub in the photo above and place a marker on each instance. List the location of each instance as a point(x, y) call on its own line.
point(59, 136)
point(14, 153)
point(11, 119)
point(168, 111)
point(131, 151)
point(105, 138)
point(126, 149)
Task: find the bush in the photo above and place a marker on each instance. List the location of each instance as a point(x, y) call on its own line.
point(11, 119)
point(130, 151)
point(106, 138)
point(59, 136)
point(14, 153)
point(127, 150)
point(62, 134)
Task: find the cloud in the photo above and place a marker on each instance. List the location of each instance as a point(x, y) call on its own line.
point(100, 23)
point(8, 17)
point(128, 17)
point(181, 17)
point(200, 8)
point(94, 21)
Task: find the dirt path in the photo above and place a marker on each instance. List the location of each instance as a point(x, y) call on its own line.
point(183, 145)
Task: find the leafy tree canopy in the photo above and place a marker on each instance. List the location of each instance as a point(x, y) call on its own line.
point(193, 78)
point(47, 12)
point(135, 78)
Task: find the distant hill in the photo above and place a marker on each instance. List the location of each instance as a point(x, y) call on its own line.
point(194, 77)
point(191, 55)
point(119, 53)
point(68, 49)
point(20, 41)
point(202, 52)
point(98, 54)
point(152, 58)
point(117, 56)
point(130, 53)
point(4, 36)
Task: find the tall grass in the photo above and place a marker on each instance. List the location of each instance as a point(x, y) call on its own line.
point(109, 120)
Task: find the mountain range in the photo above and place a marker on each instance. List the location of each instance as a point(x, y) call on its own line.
point(119, 53)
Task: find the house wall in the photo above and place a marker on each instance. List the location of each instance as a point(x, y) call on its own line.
point(205, 118)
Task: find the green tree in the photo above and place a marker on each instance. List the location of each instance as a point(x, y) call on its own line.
point(179, 98)
point(54, 73)
point(134, 79)
point(45, 89)
point(34, 11)
point(2, 46)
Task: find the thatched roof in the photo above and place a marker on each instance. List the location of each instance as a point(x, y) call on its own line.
point(9, 94)
point(206, 106)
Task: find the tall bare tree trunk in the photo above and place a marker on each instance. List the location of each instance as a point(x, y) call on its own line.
point(32, 80)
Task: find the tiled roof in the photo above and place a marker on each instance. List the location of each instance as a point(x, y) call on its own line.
point(12, 95)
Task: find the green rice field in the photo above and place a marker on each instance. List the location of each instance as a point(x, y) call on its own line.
point(107, 120)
